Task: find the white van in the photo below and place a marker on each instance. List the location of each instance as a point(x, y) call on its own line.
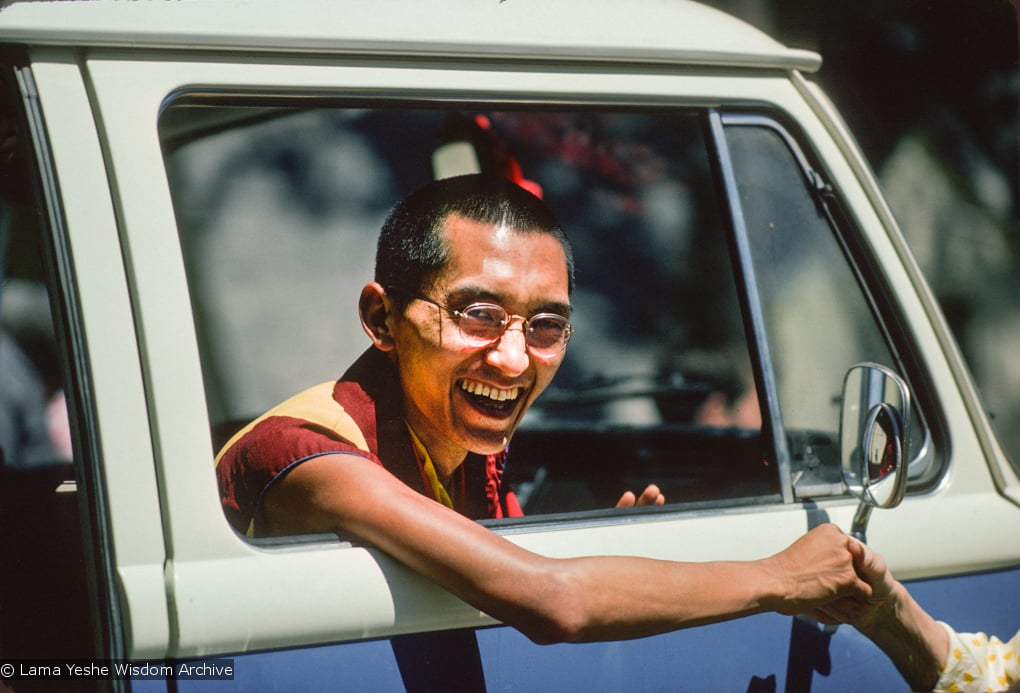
point(197, 187)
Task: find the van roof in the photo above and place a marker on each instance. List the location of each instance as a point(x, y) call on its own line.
point(671, 32)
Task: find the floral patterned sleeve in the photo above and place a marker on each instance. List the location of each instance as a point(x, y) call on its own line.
point(977, 663)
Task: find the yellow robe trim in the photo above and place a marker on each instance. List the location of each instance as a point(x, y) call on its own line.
point(438, 490)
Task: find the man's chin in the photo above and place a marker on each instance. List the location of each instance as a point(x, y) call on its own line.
point(488, 435)
point(489, 443)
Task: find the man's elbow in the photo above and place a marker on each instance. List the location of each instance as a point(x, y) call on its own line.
point(558, 626)
point(560, 616)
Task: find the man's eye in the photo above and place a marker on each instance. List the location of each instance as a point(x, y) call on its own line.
point(488, 315)
point(549, 325)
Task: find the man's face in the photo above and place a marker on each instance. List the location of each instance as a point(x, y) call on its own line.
point(460, 397)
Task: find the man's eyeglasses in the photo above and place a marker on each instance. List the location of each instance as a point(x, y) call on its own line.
point(481, 324)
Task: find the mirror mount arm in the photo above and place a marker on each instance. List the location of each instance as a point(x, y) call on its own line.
point(859, 526)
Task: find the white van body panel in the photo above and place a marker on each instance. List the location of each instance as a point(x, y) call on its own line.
point(662, 31)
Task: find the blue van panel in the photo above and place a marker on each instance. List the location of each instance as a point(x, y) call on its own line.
point(718, 657)
point(750, 654)
point(979, 602)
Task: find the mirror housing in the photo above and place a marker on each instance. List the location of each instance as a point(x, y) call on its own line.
point(874, 440)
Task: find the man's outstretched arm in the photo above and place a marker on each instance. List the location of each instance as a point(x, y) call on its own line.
point(554, 600)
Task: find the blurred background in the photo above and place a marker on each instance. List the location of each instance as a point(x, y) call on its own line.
point(930, 90)
point(928, 87)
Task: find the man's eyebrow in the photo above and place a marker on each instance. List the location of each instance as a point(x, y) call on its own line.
point(470, 294)
point(555, 307)
point(467, 295)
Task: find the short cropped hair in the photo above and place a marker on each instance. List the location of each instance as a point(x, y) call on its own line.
point(412, 247)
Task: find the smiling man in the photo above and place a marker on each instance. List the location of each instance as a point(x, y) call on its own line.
point(480, 339)
point(469, 318)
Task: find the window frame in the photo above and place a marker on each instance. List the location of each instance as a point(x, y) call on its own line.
point(263, 109)
point(930, 461)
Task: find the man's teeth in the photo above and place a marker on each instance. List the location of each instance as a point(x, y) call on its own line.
point(493, 393)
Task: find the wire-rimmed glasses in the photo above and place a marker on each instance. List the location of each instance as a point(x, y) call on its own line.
point(482, 324)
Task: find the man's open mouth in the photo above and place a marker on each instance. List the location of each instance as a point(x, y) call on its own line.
point(490, 398)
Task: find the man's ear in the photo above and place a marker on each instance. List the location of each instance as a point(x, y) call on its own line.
point(376, 310)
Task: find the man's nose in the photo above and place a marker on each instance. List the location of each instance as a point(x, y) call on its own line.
point(510, 352)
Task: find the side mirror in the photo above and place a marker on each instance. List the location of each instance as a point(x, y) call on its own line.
point(874, 439)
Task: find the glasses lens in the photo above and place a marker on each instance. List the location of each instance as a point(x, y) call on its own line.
point(547, 332)
point(482, 323)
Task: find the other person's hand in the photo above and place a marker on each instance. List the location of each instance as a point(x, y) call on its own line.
point(650, 496)
point(868, 614)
